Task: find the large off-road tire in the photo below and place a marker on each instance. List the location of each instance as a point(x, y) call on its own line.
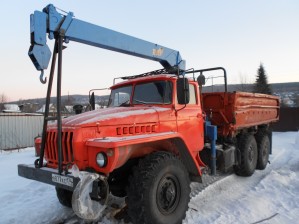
point(64, 196)
point(263, 146)
point(248, 154)
point(159, 190)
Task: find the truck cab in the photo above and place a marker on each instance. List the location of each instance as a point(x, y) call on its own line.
point(140, 110)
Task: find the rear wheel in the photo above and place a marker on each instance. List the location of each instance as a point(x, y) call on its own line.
point(64, 196)
point(248, 155)
point(159, 190)
point(263, 145)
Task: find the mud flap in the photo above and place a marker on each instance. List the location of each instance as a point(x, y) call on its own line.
point(83, 206)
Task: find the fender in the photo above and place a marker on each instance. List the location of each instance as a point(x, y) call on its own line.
point(120, 149)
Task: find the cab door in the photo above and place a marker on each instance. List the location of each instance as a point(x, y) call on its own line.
point(190, 121)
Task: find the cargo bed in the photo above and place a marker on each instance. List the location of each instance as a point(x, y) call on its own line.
point(231, 112)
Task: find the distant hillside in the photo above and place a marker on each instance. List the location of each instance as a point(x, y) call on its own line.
point(288, 92)
point(67, 100)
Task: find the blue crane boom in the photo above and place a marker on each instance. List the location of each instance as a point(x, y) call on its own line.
point(52, 22)
point(65, 28)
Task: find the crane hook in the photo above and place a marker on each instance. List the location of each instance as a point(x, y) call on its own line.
point(43, 81)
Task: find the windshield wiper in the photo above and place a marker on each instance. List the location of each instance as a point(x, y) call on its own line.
point(139, 101)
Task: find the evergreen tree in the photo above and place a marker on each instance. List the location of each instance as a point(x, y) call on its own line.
point(261, 84)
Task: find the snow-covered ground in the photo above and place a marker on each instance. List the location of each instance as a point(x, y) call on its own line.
point(269, 196)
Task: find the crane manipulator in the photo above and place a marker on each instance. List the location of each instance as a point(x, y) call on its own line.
point(68, 28)
point(65, 28)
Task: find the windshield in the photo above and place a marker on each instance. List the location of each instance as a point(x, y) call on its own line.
point(159, 92)
point(120, 96)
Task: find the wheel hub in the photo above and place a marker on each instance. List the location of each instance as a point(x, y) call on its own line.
point(168, 194)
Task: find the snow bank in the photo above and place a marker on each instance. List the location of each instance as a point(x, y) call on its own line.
point(297, 140)
point(23, 200)
point(273, 192)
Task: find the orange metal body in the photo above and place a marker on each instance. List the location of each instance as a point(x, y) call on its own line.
point(123, 133)
point(231, 112)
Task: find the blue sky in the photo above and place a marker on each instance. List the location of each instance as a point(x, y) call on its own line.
point(237, 35)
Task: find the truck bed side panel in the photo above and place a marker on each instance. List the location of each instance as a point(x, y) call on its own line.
point(237, 110)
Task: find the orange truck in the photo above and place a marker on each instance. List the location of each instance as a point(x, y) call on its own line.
point(148, 146)
point(158, 133)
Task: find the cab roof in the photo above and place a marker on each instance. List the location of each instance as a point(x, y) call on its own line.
point(145, 78)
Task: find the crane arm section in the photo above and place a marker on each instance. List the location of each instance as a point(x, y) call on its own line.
point(53, 23)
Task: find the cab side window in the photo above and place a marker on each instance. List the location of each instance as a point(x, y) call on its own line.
point(192, 93)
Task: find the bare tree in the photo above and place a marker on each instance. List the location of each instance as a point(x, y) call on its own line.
point(3, 99)
point(245, 83)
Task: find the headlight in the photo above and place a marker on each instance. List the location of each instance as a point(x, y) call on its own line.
point(101, 159)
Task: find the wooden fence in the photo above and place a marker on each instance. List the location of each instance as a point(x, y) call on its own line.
point(288, 119)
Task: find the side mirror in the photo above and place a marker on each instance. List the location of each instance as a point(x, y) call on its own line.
point(92, 101)
point(183, 91)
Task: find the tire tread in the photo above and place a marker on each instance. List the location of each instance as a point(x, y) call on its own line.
point(138, 184)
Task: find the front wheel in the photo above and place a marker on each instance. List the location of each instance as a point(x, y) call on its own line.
point(159, 190)
point(64, 196)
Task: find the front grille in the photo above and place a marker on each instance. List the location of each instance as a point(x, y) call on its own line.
point(51, 149)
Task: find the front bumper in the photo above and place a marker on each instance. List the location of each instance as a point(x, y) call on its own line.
point(48, 176)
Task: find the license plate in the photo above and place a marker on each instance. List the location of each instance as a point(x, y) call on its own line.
point(68, 181)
